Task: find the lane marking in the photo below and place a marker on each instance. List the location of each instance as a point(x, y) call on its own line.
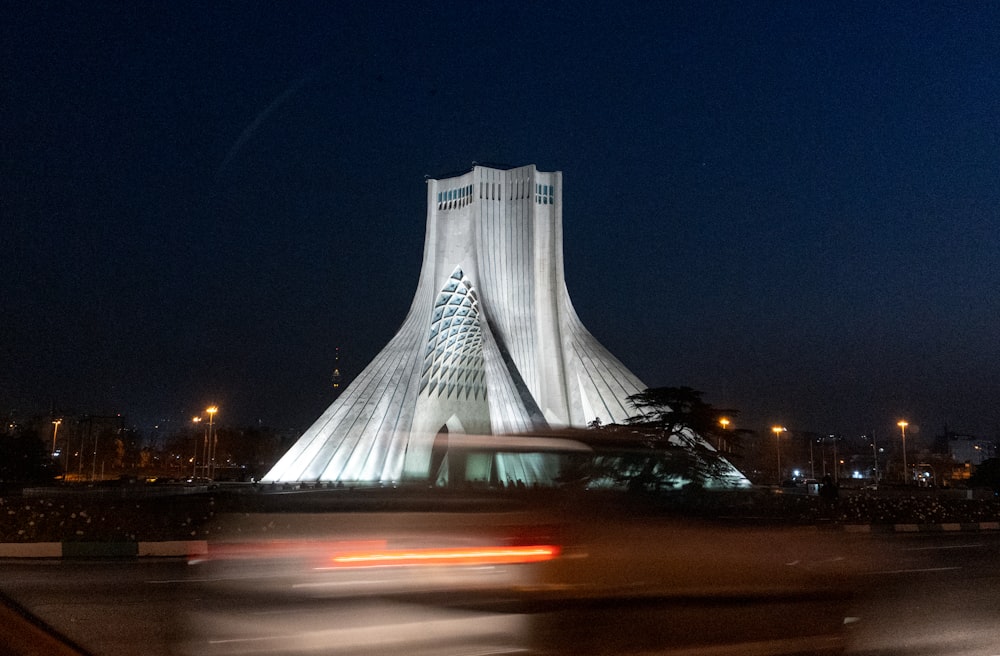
point(917, 571)
point(948, 546)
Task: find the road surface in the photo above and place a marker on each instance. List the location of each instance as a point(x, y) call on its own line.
point(924, 594)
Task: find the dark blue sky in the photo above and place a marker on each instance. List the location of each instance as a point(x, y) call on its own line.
point(790, 206)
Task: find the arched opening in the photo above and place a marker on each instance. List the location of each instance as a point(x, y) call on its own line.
point(446, 467)
point(438, 452)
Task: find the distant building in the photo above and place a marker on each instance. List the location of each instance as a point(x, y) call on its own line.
point(971, 450)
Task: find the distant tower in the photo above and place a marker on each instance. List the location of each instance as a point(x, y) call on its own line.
point(335, 379)
point(491, 344)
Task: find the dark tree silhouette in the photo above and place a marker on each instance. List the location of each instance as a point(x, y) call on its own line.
point(24, 461)
point(987, 474)
point(664, 437)
point(677, 412)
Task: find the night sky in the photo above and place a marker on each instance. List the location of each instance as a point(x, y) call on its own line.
point(790, 206)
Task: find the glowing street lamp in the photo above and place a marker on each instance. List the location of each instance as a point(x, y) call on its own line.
point(902, 429)
point(55, 430)
point(778, 430)
point(212, 440)
point(724, 422)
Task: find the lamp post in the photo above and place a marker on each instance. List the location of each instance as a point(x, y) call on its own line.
point(778, 430)
point(724, 422)
point(902, 429)
point(211, 410)
point(194, 460)
point(812, 461)
point(836, 469)
point(55, 430)
point(875, 458)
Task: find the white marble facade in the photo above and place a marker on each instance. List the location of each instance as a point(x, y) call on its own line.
point(491, 344)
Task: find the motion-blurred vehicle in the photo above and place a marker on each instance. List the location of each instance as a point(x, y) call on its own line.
point(576, 568)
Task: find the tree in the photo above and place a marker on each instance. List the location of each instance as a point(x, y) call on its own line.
point(679, 413)
point(668, 441)
point(987, 474)
point(25, 461)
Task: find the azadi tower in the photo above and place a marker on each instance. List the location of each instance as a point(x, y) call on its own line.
point(491, 345)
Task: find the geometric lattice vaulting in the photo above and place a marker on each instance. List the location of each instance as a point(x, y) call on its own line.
point(453, 358)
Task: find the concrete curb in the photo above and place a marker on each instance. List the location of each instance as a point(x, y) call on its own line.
point(955, 527)
point(173, 548)
point(165, 549)
point(31, 550)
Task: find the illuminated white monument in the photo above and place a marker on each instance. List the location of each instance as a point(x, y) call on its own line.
point(491, 344)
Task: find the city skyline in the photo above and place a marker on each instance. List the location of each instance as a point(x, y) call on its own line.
point(204, 204)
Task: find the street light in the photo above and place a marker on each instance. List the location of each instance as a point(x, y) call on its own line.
point(724, 422)
point(194, 460)
point(212, 440)
point(55, 429)
point(778, 430)
point(875, 457)
point(902, 429)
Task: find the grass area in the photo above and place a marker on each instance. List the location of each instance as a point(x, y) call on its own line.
point(89, 519)
point(860, 508)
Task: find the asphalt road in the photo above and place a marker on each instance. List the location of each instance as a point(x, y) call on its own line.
point(924, 594)
point(940, 595)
